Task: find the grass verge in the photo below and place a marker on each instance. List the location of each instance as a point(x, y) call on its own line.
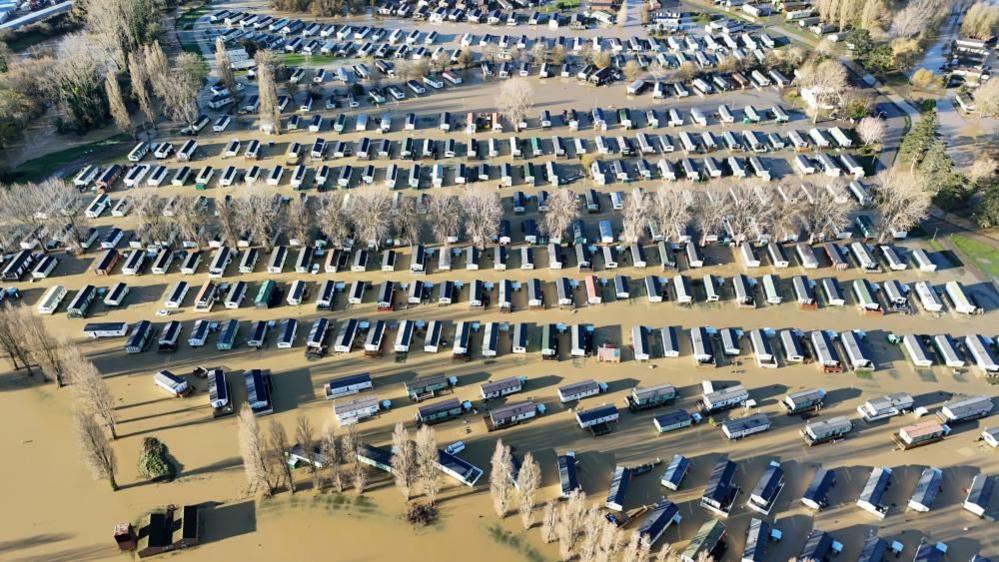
point(296, 59)
point(985, 256)
point(44, 166)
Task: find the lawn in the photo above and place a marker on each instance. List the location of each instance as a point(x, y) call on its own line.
point(102, 151)
point(295, 59)
point(985, 256)
point(186, 20)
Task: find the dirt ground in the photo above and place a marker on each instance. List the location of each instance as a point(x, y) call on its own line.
point(58, 513)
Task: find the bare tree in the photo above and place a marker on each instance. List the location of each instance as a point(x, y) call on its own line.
point(570, 523)
point(300, 220)
point(95, 448)
point(157, 68)
point(823, 218)
point(980, 21)
point(665, 553)
point(611, 541)
point(334, 222)
point(636, 216)
point(186, 77)
point(632, 70)
point(987, 99)
point(305, 437)
point(92, 393)
point(826, 82)
point(117, 105)
point(710, 210)
point(499, 478)
point(563, 209)
point(902, 200)
point(427, 456)
point(671, 208)
point(528, 482)
point(261, 215)
point(120, 26)
point(190, 220)
point(549, 523)
point(252, 449)
point(592, 527)
point(269, 108)
point(983, 168)
point(228, 212)
point(444, 214)
point(329, 448)
point(352, 443)
point(277, 453)
point(404, 461)
point(516, 96)
point(224, 66)
point(871, 130)
point(140, 85)
point(371, 216)
point(14, 346)
point(483, 212)
point(407, 222)
point(687, 70)
point(916, 17)
point(45, 350)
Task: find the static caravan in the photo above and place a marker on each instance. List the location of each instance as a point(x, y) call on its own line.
point(824, 352)
point(835, 256)
point(730, 341)
point(347, 385)
point(462, 339)
point(980, 494)
point(960, 300)
point(762, 350)
point(51, 300)
point(980, 351)
point(863, 291)
point(258, 334)
point(134, 262)
point(375, 337)
point(885, 407)
point(227, 335)
point(816, 496)
point(355, 294)
point(895, 263)
point(896, 293)
point(771, 289)
point(806, 256)
point(670, 341)
point(189, 265)
point(922, 260)
point(672, 478)
point(176, 294)
point(721, 491)
point(169, 338)
point(817, 432)
point(44, 267)
point(139, 337)
point(863, 257)
point(748, 256)
point(640, 343)
point(490, 339)
point(432, 339)
point(767, 489)
point(173, 384)
point(81, 302)
point(831, 291)
point(700, 343)
point(344, 341)
point(928, 487)
point(220, 261)
point(286, 333)
point(856, 354)
point(581, 336)
point(803, 291)
point(965, 408)
point(237, 293)
point(297, 293)
point(653, 289)
point(258, 391)
point(535, 294)
point(872, 497)
point(681, 286)
point(446, 293)
point(803, 401)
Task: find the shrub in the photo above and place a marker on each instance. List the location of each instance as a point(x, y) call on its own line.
point(154, 463)
point(421, 514)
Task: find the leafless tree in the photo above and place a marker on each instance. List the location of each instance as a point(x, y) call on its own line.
point(371, 215)
point(632, 70)
point(592, 527)
point(980, 21)
point(427, 456)
point(570, 523)
point(404, 462)
point(917, 16)
point(300, 220)
point(407, 222)
point(636, 215)
point(632, 551)
point(277, 454)
point(140, 85)
point(91, 391)
point(710, 209)
point(180, 100)
point(499, 478)
point(224, 66)
point(12, 342)
point(871, 130)
point(45, 349)
point(261, 215)
point(95, 448)
point(270, 111)
point(483, 212)
point(563, 209)
point(444, 214)
point(153, 226)
point(983, 168)
point(334, 222)
point(528, 482)
point(823, 218)
point(228, 214)
point(157, 68)
point(120, 26)
point(305, 437)
point(687, 70)
point(352, 445)
point(549, 523)
point(826, 81)
point(190, 220)
point(987, 99)
point(516, 96)
point(902, 200)
point(665, 553)
point(117, 105)
point(259, 478)
point(611, 541)
point(330, 449)
point(671, 208)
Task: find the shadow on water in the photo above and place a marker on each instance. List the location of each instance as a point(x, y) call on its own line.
point(515, 542)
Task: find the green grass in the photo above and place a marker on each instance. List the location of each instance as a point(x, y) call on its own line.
point(985, 256)
point(186, 20)
point(44, 166)
point(295, 59)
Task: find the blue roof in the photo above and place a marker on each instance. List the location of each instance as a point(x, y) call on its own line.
point(818, 489)
point(465, 472)
point(875, 549)
point(817, 546)
point(349, 380)
point(592, 414)
point(673, 417)
point(377, 455)
point(756, 540)
point(661, 515)
point(720, 484)
point(769, 483)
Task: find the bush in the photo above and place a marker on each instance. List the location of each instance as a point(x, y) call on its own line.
point(154, 462)
point(987, 210)
point(421, 514)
